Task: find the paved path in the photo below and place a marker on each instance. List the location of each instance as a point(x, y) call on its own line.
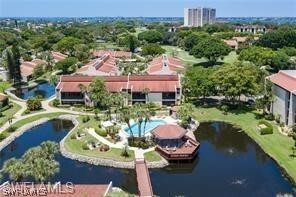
point(139, 153)
point(47, 109)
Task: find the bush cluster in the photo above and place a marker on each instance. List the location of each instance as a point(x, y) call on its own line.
point(85, 146)
point(11, 129)
point(104, 148)
point(267, 130)
point(85, 119)
point(138, 142)
point(101, 132)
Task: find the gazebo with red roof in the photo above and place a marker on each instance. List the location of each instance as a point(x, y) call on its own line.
point(173, 143)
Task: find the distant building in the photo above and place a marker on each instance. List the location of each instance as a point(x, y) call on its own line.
point(284, 90)
point(114, 54)
point(27, 68)
point(4, 75)
point(198, 17)
point(103, 66)
point(164, 65)
point(57, 56)
point(232, 43)
point(251, 29)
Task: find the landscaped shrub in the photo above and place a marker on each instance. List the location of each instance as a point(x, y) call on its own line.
point(2, 136)
point(11, 129)
point(138, 142)
point(34, 104)
point(277, 118)
point(85, 119)
point(73, 136)
point(269, 117)
point(184, 124)
point(85, 146)
point(1, 114)
point(143, 145)
point(78, 105)
point(104, 148)
point(294, 128)
point(268, 127)
point(101, 132)
point(27, 111)
point(225, 109)
point(55, 102)
point(124, 152)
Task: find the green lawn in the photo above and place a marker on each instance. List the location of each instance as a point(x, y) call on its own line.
point(4, 85)
point(276, 145)
point(32, 112)
point(190, 60)
point(152, 156)
point(9, 113)
point(75, 146)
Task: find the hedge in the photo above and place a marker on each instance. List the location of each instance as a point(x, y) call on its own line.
point(267, 130)
point(101, 132)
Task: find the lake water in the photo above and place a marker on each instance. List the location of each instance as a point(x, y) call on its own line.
point(45, 90)
point(229, 163)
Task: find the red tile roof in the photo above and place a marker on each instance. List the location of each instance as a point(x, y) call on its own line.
point(165, 65)
point(27, 68)
point(240, 38)
point(79, 190)
point(57, 56)
point(155, 83)
point(284, 80)
point(231, 42)
point(115, 54)
point(3, 97)
point(105, 65)
point(169, 132)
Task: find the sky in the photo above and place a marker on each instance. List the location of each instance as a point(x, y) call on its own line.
point(145, 8)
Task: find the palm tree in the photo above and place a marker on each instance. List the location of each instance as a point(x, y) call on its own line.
point(49, 149)
point(139, 112)
point(43, 169)
point(126, 115)
point(146, 91)
point(15, 168)
point(147, 115)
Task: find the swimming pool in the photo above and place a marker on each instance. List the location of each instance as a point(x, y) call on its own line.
point(149, 126)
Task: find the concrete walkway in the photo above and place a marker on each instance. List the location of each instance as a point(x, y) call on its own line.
point(139, 153)
point(47, 109)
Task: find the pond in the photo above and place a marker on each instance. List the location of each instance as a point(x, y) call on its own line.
point(45, 90)
point(229, 163)
point(70, 170)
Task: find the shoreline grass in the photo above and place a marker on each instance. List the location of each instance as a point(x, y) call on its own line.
point(276, 145)
point(9, 113)
point(152, 156)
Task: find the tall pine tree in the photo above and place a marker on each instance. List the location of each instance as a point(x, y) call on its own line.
point(14, 64)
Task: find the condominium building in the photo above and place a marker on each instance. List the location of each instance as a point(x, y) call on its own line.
point(161, 89)
point(164, 65)
point(198, 17)
point(254, 29)
point(284, 91)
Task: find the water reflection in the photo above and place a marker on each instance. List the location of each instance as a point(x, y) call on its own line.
point(229, 163)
